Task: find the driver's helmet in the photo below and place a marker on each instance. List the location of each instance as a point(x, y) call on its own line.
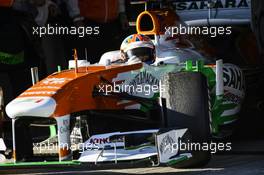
point(138, 48)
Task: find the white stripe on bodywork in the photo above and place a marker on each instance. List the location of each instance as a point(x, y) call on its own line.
point(135, 106)
point(231, 111)
point(228, 122)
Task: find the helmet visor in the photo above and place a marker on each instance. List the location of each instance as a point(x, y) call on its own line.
point(144, 54)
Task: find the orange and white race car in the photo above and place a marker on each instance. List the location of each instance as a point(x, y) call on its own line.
point(163, 113)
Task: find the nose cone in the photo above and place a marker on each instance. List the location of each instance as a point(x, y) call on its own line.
point(31, 106)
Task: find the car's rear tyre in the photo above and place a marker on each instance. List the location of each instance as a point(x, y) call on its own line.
point(187, 103)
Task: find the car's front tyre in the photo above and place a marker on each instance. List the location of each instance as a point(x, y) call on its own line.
point(187, 103)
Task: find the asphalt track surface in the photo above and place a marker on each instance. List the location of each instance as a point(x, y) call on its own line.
point(233, 164)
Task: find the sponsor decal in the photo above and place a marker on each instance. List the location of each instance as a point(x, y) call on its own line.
point(165, 144)
point(65, 126)
point(232, 97)
point(144, 78)
point(200, 5)
point(233, 77)
point(99, 140)
point(39, 100)
point(144, 83)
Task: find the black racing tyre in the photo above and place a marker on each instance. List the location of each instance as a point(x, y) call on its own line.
point(187, 103)
point(257, 22)
point(24, 143)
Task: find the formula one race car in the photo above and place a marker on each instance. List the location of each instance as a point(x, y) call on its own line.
point(134, 112)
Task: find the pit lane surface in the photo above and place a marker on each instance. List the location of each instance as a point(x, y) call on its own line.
point(233, 164)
